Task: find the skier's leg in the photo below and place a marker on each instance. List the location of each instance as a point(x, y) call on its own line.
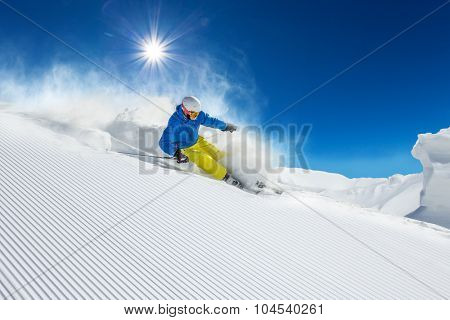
point(204, 146)
point(205, 162)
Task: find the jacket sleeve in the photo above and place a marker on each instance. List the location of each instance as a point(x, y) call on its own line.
point(168, 146)
point(169, 142)
point(172, 147)
point(211, 122)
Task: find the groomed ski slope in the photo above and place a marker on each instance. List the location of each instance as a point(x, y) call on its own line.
point(83, 224)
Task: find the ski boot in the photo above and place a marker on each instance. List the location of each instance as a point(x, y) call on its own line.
point(230, 180)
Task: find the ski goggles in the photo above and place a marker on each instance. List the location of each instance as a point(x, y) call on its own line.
point(190, 114)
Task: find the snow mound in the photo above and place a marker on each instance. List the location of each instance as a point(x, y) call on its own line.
point(433, 151)
point(397, 195)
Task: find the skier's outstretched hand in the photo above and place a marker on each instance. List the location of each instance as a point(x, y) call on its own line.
point(181, 158)
point(230, 127)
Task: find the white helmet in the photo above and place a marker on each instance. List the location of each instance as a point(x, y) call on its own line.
point(192, 103)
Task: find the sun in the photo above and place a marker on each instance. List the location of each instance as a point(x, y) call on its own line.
point(154, 51)
point(153, 48)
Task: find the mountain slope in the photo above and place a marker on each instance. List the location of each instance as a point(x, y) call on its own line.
point(83, 224)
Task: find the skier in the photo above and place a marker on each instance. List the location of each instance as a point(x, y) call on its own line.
point(181, 140)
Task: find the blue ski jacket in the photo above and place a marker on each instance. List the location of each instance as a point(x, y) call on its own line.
point(182, 132)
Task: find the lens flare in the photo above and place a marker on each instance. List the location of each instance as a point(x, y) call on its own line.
point(154, 51)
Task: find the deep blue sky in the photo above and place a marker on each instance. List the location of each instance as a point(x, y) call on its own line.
point(364, 123)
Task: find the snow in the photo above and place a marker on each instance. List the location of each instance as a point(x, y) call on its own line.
point(83, 223)
point(125, 131)
point(95, 138)
point(397, 195)
point(4, 105)
point(433, 151)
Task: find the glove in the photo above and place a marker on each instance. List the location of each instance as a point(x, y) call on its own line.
point(181, 158)
point(230, 127)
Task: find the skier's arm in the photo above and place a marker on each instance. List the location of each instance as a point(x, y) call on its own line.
point(172, 148)
point(168, 146)
point(211, 122)
point(169, 142)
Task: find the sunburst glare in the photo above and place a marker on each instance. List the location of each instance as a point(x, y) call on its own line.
point(153, 46)
point(154, 51)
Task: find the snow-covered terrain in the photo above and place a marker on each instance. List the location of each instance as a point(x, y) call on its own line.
point(397, 195)
point(433, 151)
point(78, 221)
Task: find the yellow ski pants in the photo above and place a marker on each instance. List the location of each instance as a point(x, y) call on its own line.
point(205, 156)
